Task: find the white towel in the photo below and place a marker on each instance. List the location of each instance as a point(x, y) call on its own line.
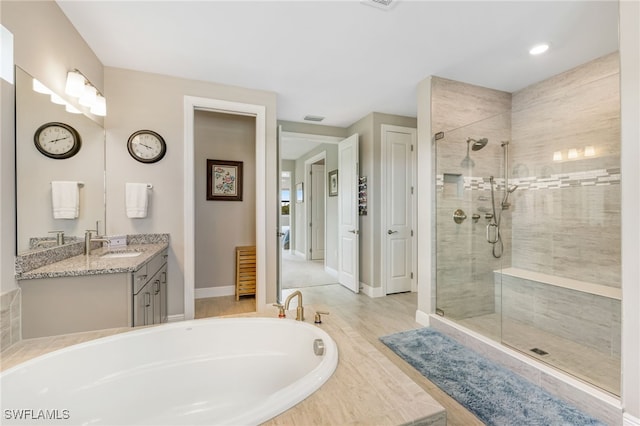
point(136, 200)
point(65, 199)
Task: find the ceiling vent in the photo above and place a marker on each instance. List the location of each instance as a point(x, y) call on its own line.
point(380, 4)
point(315, 118)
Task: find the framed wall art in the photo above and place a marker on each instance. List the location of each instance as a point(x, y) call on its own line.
point(224, 180)
point(333, 183)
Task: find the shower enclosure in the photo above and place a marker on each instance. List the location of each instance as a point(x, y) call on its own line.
point(528, 217)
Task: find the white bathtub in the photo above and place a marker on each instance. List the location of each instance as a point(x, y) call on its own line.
point(237, 371)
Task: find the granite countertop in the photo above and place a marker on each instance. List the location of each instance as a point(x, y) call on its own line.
point(96, 264)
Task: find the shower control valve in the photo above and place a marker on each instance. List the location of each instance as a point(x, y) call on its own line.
point(459, 216)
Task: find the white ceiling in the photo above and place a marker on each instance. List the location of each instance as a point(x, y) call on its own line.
point(345, 59)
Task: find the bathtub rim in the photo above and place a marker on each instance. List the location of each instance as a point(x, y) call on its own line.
point(276, 403)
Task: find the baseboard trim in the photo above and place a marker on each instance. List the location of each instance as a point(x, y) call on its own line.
point(629, 420)
point(372, 292)
point(422, 318)
point(331, 272)
point(228, 290)
point(175, 318)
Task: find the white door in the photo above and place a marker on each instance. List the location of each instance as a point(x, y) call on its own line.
point(317, 211)
point(348, 223)
point(398, 145)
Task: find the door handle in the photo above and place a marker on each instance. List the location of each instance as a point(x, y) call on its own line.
point(354, 231)
point(391, 232)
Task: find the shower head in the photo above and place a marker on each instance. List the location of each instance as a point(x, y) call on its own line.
point(513, 188)
point(477, 145)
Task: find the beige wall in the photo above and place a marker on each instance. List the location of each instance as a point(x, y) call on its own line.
point(223, 225)
point(140, 100)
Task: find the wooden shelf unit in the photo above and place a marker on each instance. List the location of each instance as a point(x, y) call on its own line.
point(245, 271)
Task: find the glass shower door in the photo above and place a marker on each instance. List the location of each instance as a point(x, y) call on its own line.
point(472, 230)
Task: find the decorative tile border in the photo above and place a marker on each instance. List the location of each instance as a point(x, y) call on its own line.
point(598, 177)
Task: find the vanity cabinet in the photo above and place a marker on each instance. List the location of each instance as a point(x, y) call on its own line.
point(149, 284)
point(126, 296)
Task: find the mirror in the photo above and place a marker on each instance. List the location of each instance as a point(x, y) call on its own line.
point(35, 171)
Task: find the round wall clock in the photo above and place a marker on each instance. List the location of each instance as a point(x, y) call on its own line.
point(146, 146)
point(57, 140)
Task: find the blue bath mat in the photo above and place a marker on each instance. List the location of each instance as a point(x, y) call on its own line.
point(493, 393)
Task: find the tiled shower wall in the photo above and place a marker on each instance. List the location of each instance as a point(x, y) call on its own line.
point(10, 331)
point(566, 213)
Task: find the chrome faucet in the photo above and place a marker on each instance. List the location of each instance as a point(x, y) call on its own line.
point(300, 308)
point(88, 240)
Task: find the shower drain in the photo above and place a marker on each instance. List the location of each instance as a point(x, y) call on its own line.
point(539, 351)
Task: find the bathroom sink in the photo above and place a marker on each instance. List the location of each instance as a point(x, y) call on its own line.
point(118, 254)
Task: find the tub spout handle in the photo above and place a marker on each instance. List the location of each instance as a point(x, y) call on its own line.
point(281, 313)
point(318, 318)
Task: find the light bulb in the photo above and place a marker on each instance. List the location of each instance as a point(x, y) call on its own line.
point(89, 96)
point(99, 107)
point(75, 84)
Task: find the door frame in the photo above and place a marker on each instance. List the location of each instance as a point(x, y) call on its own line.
point(191, 104)
point(307, 208)
point(384, 128)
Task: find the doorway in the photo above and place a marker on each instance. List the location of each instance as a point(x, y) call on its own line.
point(308, 229)
point(191, 105)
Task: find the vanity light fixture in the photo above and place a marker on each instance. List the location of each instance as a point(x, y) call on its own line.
point(89, 96)
point(589, 151)
point(557, 156)
point(573, 154)
point(539, 49)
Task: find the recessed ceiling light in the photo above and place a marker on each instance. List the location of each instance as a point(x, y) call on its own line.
point(539, 49)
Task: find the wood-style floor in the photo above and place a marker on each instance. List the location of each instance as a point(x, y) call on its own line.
point(371, 317)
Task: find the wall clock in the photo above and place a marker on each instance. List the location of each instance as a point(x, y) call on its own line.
point(57, 140)
point(146, 146)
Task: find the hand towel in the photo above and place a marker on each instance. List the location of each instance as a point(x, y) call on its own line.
point(65, 199)
point(136, 200)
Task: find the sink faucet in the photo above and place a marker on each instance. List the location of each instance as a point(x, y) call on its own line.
point(300, 308)
point(88, 240)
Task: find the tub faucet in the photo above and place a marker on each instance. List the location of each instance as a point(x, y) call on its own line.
point(300, 309)
point(88, 240)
